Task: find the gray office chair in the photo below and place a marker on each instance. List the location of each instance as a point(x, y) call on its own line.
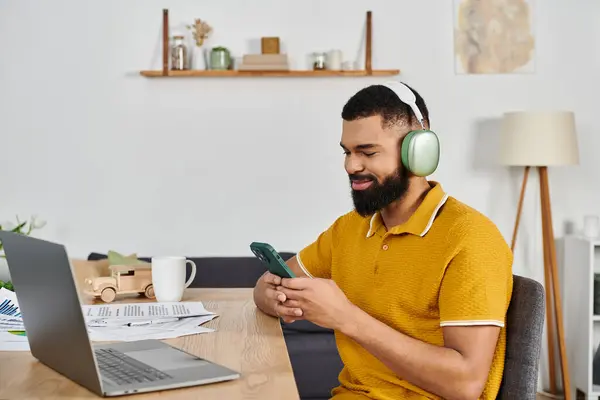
point(524, 327)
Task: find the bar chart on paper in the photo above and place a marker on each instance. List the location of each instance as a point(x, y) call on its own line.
point(8, 304)
point(12, 330)
point(10, 314)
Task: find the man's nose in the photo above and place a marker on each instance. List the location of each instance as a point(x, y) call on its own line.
point(353, 165)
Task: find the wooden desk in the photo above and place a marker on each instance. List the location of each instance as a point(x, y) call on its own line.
point(245, 340)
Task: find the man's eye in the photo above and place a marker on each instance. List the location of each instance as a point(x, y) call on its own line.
point(370, 154)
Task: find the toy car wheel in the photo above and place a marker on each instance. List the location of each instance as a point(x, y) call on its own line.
point(149, 292)
point(108, 295)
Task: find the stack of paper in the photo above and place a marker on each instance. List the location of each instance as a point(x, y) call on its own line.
point(13, 341)
point(138, 321)
point(113, 322)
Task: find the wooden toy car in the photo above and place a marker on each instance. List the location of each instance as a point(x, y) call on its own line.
point(124, 279)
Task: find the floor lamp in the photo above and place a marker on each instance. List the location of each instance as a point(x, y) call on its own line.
point(542, 140)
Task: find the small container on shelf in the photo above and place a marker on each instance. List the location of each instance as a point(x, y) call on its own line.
point(319, 61)
point(179, 55)
point(220, 58)
point(334, 60)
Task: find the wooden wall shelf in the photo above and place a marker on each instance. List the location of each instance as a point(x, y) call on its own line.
point(289, 74)
point(166, 73)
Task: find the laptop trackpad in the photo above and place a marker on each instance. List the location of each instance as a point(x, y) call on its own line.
point(166, 358)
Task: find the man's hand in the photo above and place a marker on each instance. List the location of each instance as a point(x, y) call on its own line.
point(320, 300)
point(269, 299)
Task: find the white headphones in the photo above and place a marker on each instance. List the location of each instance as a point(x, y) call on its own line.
point(420, 148)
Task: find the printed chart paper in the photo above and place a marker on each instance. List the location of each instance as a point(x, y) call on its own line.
point(113, 322)
point(10, 314)
point(144, 311)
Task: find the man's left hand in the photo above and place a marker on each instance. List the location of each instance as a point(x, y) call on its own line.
point(322, 302)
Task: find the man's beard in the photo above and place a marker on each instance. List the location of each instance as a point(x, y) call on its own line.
point(379, 195)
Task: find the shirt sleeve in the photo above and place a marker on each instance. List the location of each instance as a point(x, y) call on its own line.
point(316, 258)
point(477, 285)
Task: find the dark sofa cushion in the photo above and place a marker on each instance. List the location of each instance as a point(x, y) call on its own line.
point(303, 326)
point(316, 363)
point(220, 272)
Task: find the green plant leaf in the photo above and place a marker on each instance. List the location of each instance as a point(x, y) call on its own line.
point(18, 227)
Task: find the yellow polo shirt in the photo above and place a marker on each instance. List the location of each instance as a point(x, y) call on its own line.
point(447, 265)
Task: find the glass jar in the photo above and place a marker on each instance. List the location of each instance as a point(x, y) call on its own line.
point(220, 58)
point(319, 62)
point(179, 55)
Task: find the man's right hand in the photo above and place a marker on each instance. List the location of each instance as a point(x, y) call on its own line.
point(272, 301)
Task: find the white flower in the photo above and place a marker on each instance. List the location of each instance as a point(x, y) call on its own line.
point(8, 226)
point(37, 223)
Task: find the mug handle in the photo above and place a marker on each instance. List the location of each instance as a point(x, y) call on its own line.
point(193, 274)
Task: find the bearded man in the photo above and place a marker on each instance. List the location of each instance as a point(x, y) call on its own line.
point(415, 283)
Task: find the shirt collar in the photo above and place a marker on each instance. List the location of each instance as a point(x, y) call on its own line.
point(420, 222)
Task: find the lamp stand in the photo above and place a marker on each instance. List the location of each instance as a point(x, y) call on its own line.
point(552, 285)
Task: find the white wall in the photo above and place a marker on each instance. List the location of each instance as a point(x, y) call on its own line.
point(205, 166)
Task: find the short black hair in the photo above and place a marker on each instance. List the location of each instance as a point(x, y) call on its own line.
point(381, 100)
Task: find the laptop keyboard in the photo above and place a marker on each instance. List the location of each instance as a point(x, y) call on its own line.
point(123, 369)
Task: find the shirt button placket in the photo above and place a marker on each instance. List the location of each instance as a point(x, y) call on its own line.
point(384, 247)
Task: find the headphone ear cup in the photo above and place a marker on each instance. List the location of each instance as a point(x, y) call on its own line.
point(420, 152)
point(405, 151)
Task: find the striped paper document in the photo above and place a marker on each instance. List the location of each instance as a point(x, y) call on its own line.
point(10, 314)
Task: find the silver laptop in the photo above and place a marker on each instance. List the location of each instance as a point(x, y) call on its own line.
point(58, 337)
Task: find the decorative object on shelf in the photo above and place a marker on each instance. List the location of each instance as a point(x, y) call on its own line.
point(319, 61)
point(128, 275)
point(543, 139)
point(201, 31)
point(220, 58)
point(368, 71)
point(198, 59)
point(264, 62)
point(591, 226)
point(334, 60)
point(179, 55)
point(269, 45)
point(22, 227)
point(349, 66)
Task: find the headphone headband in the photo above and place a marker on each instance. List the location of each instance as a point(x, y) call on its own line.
point(407, 97)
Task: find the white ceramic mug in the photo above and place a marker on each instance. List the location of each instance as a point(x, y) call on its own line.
point(168, 277)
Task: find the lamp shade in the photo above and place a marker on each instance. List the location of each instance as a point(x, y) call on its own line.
point(539, 138)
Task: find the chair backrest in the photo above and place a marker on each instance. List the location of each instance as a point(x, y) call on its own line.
point(524, 327)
